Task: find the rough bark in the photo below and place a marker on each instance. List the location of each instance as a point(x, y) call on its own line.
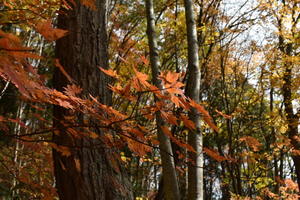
point(170, 183)
point(291, 118)
point(195, 168)
point(81, 52)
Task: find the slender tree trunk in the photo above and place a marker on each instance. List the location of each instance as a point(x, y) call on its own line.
point(195, 168)
point(171, 189)
point(18, 149)
point(273, 139)
point(88, 173)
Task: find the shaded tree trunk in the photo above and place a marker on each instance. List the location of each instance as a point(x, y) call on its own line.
point(88, 173)
point(195, 168)
point(170, 183)
point(291, 118)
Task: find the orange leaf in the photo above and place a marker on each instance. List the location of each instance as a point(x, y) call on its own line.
point(137, 132)
point(187, 122)
point(145, 60)
point(166, 131)
point(72, 90)
point(61, 68)
point(252, 142)
point(77, 164)
point(172, 77)
point(109, 72)
point(213, 154)
point(89, 3)
point(224, 115)
point(93, 135)
point(138, 147)
point(169, 117)
point(51, 34)
point(64, 103)
point(65, 151)
point(175, 100)
point(206, 117)
point(142, 78)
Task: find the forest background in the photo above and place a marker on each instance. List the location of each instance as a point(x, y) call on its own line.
point(154, 99)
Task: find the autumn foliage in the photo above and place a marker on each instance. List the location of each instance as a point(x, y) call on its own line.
point(249, 96)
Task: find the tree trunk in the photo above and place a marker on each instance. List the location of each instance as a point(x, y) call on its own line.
point(88, 173)
point(195, 168)
point(171, 189)
point(291, 118)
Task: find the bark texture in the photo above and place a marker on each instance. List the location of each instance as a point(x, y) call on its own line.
point(291, 118)
point(170, 183)
point(195, 168)
point(81, 52)
point(287, 48)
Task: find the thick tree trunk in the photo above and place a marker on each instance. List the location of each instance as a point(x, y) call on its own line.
point(171, 189)
point(88, 173)
point(291, 118)
point(195, 168)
